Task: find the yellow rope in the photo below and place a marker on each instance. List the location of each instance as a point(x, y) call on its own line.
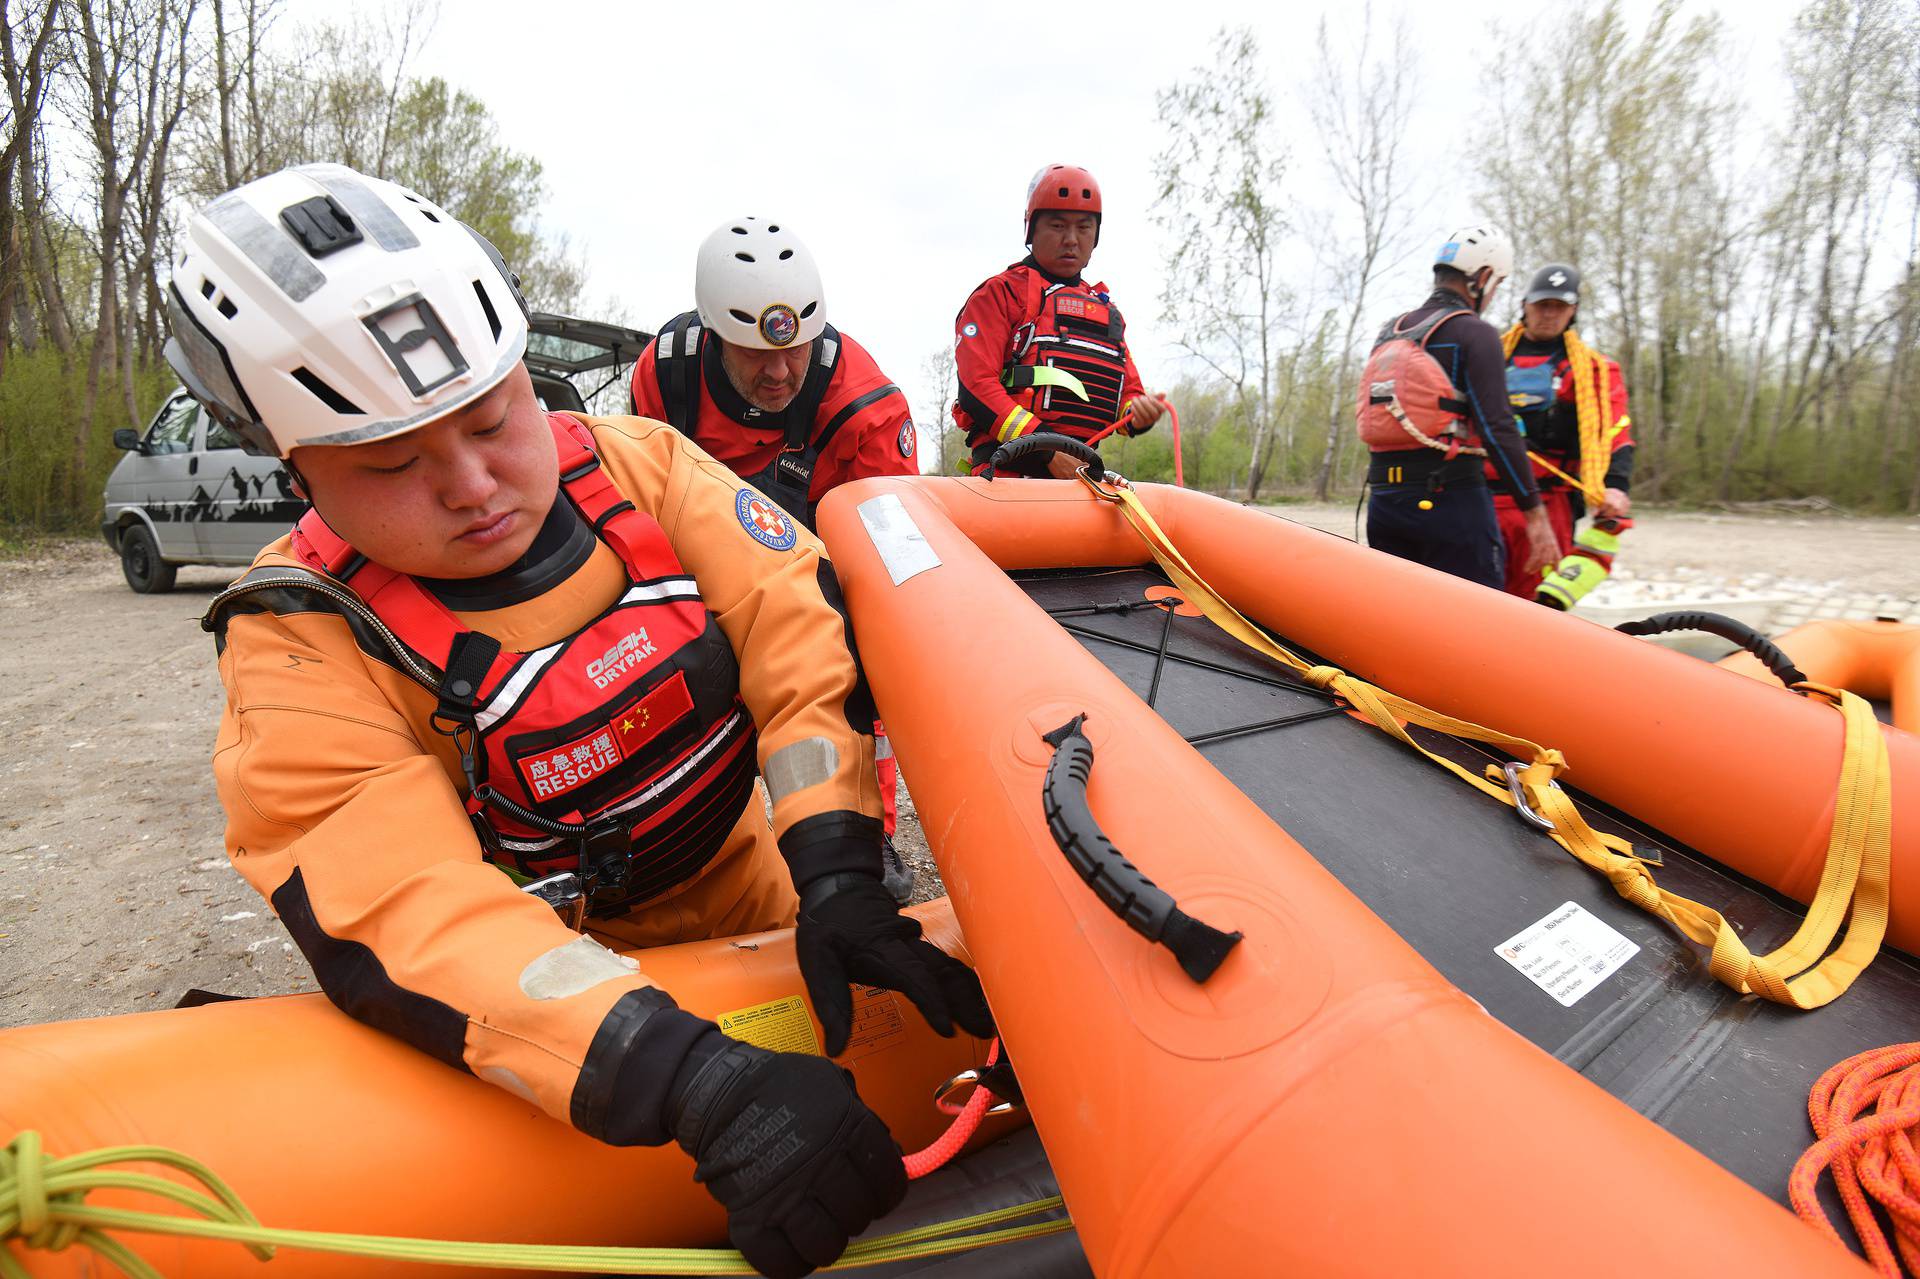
point(42, 1206)
point(1855, 879)
point(1592, 375)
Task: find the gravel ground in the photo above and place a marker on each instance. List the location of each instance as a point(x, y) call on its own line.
point(115, 895)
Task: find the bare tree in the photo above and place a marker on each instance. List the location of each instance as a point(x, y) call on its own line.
point(1361, 102)
point(28, 55)
point(943, 379)
point(1221, 205)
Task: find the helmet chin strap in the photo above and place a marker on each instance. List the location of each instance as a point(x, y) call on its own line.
point(1478, 290)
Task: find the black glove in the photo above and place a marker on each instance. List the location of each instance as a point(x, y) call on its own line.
point(785, 1144)
point(851, 930)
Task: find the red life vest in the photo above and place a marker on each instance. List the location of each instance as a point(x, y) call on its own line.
point(1406, 398)
point(1078, 331)
point(622, 752)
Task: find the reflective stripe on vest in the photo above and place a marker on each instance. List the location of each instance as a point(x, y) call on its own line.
point(623, 751)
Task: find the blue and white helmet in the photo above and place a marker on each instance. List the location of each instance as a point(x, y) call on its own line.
point(1473, 247)
point(320, 306)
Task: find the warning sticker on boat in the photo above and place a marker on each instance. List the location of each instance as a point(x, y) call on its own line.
point(779, 1025)
point(1568, 953)
point(903, 547)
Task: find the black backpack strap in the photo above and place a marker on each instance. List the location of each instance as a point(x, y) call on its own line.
point(676, 367)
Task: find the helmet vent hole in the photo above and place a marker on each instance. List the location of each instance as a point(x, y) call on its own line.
point(772, 228)
point(744, 257)
point(809, 309)
point(226, 307)
point(739, 230)
point(486, 304)
point(324, 393)
point(785, 254)
point(741, 316)
point(1065, 192)
point(1086, 193)
point(206, 289)
point(428, 215)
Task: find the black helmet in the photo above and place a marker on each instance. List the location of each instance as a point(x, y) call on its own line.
point(1555, 282)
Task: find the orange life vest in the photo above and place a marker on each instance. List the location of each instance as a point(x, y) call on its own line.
point(1407, 400)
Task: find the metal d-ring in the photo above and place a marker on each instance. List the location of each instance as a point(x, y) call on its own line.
point(968, 1076)
point(1519, 792)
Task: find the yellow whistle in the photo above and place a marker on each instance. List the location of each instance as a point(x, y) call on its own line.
point(1425, 504)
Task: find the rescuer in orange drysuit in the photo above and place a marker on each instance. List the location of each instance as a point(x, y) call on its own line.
point(507, 643)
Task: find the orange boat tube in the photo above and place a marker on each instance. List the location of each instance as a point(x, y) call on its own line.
point(1325, 1102)
point(322, 1123)
point(1879, 660)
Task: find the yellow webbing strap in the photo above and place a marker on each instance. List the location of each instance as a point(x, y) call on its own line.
point(42, 1205)
point(1856, 875)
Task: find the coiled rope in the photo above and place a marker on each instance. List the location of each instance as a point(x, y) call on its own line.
point(43, 1206)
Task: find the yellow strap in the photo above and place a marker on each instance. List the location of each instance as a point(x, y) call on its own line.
point(1593, 499)
point(1856, 875)
point(42, 1205)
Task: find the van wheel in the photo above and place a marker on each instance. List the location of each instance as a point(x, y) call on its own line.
point(140, 560)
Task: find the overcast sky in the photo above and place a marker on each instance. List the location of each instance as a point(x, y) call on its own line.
point(898, 143)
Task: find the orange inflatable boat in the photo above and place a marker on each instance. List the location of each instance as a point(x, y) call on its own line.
point(321, 1123)
point(1284, 996)
point(1440, 1045)
point(1879, 660)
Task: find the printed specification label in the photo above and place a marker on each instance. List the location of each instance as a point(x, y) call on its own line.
point(1568, 953)
point(779, 1025)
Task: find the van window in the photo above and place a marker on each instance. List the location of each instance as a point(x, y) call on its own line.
point(173, 430)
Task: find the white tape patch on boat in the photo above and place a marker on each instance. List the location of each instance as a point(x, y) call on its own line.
point(581, 964)
point(903, 547)
point(1568, 953)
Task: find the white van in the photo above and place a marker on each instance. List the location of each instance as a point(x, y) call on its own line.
point(186, 493)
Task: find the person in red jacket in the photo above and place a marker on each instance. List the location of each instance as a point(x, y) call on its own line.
point(1038, 347)
point(1571, 403)
point(757, 377)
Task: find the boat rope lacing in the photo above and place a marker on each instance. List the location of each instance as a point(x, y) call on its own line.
point(1854, 880)
point(43, 1206)
point(1866, 1113)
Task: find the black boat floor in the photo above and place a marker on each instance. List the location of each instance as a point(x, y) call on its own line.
point(1457, 874)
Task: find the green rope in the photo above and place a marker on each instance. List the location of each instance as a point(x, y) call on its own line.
point(42, 1204)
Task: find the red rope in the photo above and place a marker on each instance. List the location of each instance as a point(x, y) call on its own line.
point(1173, 424)
point(958, 1133)
point(1871, 1155)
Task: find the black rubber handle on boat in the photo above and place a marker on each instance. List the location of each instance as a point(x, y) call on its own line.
point(1727, 628)
point(1046, 442)
point(1146, 908)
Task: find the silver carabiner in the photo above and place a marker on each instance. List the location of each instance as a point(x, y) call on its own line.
point(1519, 792)
point(945, 1091)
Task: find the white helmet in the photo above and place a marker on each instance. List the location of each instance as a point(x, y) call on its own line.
point(319, 306)
point(1473, 247)
point(756, 285)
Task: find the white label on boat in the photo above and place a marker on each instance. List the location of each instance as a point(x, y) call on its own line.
point(903, 547)
point(1568, 953)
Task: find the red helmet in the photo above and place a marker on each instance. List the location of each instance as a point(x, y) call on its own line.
point(1066, 187)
